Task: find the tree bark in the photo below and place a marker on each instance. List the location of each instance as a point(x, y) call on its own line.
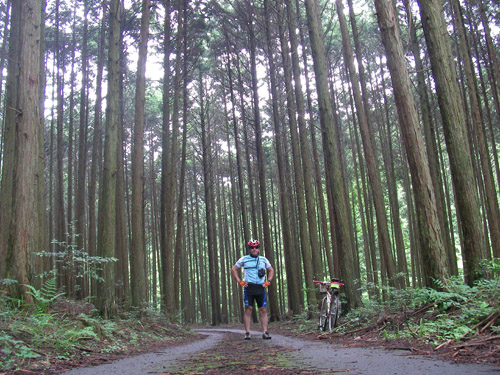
point(455, 132)
point(82, 158)
point(23, 129)
point(344, 239)
point(288, 248)
point(370, 156)
point(268, 246)
point(106, 240)
point(305, 245)
point(492, 211)
point(137, 251)
point(433, 253)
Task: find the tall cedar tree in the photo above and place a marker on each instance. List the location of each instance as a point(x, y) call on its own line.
point(266, 229)
point(138, 251)
point(344, 244)
point(432, 250)
point(370, 156)
point(292, 284)
point(20, 174)
point(431, 145)
point(455, 132)
point(492, 211)
point(305, 245)
point(107, 209)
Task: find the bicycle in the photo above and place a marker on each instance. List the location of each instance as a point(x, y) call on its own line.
point(330, 306)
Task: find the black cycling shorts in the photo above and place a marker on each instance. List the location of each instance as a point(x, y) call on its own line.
point(257, 293)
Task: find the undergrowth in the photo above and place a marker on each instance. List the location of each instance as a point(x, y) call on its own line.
point(54, 330)
point(455, 312)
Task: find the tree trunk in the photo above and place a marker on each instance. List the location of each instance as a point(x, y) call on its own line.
point(209, 208)
point(344, 239)
point(305, 245)
point(268, 246)
point(370, 156)
point(9, 133)
point(96, 146)
point(492, 211)
point(455, 132)
point(314, 152)
point(290, 258)
point(165, 162)
point(122, 204)
point(42, 264)
point(182, 174)
point(433, 253)
point(137, 251)
point(59, 216)
point(304, 146)
point(3, 58)
point(237, 145)
point(106, 303)
point(250, 173)
point(24, 129)
point(387, 151)
point(82, 159)
point(431, 147)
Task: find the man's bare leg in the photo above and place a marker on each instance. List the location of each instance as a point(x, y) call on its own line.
point(263, 318)
point(247, 317)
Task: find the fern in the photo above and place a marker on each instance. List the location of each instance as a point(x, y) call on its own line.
point(45, 296)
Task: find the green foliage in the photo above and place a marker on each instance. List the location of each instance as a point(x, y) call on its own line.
point(79, 262)
point(7, 282)
point(12, 349)
point(453, 312)
point(492, 266)
point(34, 338)
point(26, 332)
point(45, 296)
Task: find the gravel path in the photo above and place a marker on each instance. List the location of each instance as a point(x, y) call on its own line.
point(317, 355)
point(151, 363)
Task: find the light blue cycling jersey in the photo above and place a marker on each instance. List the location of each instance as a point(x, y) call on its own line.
point(251, 266)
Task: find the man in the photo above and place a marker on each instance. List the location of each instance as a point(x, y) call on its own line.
point(254, 284)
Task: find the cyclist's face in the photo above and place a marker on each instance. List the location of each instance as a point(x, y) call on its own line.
point(254, 250)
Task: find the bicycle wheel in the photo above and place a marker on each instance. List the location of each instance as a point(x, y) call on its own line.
point(324, 317)
point(334, 311)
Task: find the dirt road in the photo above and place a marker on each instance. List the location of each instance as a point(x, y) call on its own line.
point(223, 351)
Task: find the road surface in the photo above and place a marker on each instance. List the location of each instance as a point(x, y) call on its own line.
point(310, 356)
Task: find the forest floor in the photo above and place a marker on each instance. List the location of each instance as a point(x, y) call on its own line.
point(129, 337)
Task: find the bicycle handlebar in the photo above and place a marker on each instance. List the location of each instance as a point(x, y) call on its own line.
point(334, 281)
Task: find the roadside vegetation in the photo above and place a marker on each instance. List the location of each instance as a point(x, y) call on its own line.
point(458, 321)
point(55, 334)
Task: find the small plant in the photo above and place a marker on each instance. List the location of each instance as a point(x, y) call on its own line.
point(13, 350)
point(45, 296)
point(76, 261)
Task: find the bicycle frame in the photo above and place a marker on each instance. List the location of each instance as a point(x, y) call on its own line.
point(330, 306)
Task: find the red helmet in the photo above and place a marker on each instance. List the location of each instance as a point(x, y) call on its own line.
point(253, 243)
